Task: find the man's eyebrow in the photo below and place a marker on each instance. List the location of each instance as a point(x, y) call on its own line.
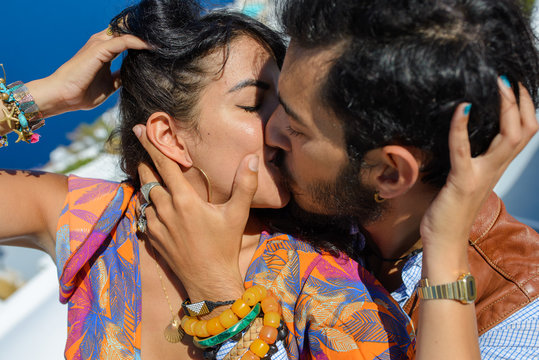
point(250, 82)
point(290, 112)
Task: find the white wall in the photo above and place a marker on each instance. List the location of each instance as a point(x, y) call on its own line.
point(32, 320)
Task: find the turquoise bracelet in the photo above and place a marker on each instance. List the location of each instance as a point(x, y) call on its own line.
point(230, 332)
point(27, 105)
point(17, 101)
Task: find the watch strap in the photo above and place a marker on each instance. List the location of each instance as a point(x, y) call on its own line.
point(463, 290)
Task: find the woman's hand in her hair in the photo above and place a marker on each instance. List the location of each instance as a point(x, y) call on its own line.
point(200, 241)
point(85, 81)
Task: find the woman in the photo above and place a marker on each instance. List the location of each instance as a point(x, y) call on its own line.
point(204, 91)
point(204, 100)
point(126, 314)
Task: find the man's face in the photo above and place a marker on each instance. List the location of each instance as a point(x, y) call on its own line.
point(313, 155)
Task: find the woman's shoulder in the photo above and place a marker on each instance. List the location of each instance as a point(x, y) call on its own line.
point(92, 210)
point(78, 184)
point(88, 199)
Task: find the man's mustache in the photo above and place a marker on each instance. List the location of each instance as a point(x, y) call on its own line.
point(288, 179)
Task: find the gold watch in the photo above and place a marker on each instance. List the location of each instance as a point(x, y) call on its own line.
point(462, 290)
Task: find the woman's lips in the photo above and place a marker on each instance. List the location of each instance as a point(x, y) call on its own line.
point(273, 162)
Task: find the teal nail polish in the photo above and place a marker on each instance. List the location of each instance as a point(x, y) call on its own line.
point(505, 81)
point(467, 109)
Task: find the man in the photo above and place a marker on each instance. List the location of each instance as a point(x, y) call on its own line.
point(369, 139)
point(379, 121)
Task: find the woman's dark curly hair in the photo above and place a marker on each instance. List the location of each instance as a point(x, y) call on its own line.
point(171, 76)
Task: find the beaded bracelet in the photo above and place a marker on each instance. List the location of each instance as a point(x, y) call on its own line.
point(21, 113)
point(230, 332)
point(269, 332)
point(227, 318)
point(209, 333)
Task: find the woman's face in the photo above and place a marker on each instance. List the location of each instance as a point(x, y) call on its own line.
point(233, 110)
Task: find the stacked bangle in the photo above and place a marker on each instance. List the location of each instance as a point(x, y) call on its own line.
point(269, 332)
point(228, 333)
point(21, 113)
point(232, 322)
point(27, 105)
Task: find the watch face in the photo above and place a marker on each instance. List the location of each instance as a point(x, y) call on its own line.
point(470, 288)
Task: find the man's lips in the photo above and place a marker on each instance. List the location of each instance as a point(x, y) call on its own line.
point(277, 164)
point(272, 157)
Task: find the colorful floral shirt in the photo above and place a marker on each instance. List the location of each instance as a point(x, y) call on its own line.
point(333, 308)
point(98, 266)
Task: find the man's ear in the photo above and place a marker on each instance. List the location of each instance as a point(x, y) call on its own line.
point(162, 131)
point(396, 170)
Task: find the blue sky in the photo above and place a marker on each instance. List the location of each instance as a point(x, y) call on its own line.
point(41, 36)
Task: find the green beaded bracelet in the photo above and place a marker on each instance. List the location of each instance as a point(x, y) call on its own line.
point(230, 332)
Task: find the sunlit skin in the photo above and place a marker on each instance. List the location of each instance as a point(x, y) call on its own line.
point(310, 136)
point(233, 112)
point(312, 140)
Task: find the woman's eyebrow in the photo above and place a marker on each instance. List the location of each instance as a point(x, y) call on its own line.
point(250, 82)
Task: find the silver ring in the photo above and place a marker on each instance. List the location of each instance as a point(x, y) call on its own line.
point(141, 222)
point(146, 188)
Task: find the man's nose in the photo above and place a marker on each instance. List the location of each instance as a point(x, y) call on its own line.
point(275, 134)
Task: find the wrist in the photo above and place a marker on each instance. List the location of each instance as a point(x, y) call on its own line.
point(223, 291)
point(46, 97)
point(444, 264)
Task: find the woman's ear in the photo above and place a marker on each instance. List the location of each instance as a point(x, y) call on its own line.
point(162, 131)
point(396, 170)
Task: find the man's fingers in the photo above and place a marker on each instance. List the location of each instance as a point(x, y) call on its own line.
point(169, 170)
point(245, 185)
point(459, 143)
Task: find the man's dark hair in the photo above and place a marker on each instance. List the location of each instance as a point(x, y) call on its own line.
point(405, 66)
point(172, 74)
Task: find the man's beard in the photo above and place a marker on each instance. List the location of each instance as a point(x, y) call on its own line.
point(346, 197)
point(345, 207)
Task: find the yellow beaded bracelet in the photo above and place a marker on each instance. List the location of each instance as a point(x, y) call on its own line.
point(208, 333)
point(268, 334)
point(228, 318)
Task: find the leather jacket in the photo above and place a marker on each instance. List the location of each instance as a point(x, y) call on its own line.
point(504, 259)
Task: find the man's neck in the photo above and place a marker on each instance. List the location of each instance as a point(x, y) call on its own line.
point(396, 234)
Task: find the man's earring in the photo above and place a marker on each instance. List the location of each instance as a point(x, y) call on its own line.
point(378, 198)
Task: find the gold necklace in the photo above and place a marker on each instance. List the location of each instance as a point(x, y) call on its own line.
point(173, 332)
